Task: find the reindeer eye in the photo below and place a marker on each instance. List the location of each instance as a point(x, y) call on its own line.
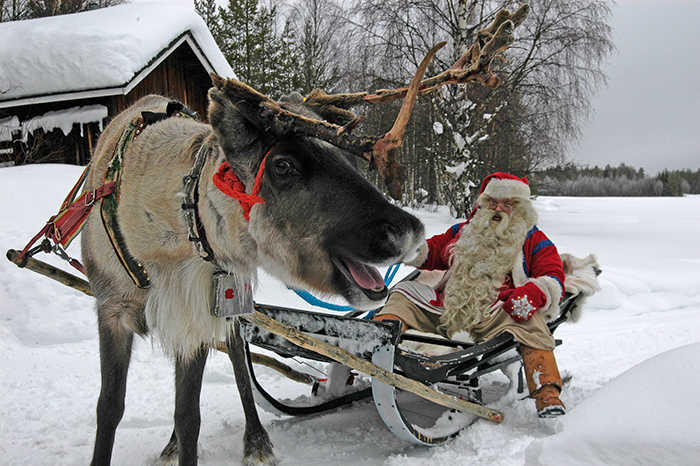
point(282, 167)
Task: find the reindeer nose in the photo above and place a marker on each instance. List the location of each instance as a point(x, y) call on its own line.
point(386, 236)
point(391, 236)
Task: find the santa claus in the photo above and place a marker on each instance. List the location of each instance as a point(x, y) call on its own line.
point(502, 275)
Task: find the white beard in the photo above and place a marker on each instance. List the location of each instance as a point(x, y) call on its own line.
point(481, 259)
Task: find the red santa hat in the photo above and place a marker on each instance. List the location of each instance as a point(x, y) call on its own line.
point(505, 186)
point(501, 185)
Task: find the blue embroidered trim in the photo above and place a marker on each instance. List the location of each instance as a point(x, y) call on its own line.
point(455, 229)
point(529, 233)
point(541, 245)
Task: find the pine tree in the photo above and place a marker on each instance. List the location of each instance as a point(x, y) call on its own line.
point(260, 56)
point(237, 36)
point(207, 9)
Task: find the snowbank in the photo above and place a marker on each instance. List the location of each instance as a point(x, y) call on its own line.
point(648, 415)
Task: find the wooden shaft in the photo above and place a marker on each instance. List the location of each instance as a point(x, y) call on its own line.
point(50, 271)
point(272, 363)
point(340, 355)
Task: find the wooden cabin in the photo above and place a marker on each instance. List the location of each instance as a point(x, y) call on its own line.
point(64, 77)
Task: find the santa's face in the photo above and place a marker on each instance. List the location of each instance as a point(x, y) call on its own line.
point(500, 207)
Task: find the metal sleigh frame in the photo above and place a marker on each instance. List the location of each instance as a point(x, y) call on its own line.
point(380, 344)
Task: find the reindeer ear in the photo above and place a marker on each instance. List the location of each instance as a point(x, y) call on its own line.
point(233, 116)
point(216, 96)
point(217, 80)
point(238, 137)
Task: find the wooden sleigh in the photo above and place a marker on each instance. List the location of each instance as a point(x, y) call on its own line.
point(422, 399)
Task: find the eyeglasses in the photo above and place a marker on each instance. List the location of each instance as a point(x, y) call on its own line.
point(505, 204)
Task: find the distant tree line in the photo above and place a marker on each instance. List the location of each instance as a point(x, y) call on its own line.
point(572, 180)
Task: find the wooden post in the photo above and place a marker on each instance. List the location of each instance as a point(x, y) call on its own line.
point(272, 363)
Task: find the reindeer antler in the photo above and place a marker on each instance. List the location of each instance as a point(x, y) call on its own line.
point(268, 115)
point(472, 66)
point(383, 152)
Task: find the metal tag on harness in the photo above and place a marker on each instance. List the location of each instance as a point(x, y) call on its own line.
point(232, 296)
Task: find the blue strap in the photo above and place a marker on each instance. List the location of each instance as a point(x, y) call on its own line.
point(314, 301)
point(391, 273)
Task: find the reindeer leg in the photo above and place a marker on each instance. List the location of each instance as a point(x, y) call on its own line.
point(115, 353)
point(188, 386)
point(257, 448)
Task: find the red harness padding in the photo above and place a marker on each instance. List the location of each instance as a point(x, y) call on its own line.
point(228, 183)
point(63, 227)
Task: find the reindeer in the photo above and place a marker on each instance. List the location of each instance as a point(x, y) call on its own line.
point(306, 217)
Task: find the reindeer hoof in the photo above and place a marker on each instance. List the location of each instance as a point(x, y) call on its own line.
point(260, 459)
point(167, 460)
point(269, 461)
point(258, 450)
point(169, 455)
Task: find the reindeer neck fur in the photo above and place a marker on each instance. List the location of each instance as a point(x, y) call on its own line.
point(179, 303)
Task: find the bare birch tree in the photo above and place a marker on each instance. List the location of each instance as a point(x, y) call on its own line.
point(548, 76)
point(320, 28)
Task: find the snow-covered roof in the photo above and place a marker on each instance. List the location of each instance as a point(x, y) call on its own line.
point(97, 53)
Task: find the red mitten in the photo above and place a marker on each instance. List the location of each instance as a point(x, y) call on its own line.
point(521, 302)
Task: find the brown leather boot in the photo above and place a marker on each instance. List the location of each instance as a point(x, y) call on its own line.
point(543, 381)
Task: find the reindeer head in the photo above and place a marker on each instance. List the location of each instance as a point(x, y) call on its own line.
point(322, 225)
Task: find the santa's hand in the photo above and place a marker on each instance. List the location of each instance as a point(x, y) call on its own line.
point(521, 302)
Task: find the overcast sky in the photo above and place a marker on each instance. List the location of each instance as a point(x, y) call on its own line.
point(649, 114)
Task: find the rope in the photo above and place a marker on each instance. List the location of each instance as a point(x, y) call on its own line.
point(228, 183)
point(314, 301)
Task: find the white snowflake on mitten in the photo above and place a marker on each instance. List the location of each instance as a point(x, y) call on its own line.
point(522, 308)
point(520, 303)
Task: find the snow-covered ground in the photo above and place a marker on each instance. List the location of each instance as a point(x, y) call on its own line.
point(634, 357)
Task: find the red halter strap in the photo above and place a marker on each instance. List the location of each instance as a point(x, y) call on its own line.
point(228, 183)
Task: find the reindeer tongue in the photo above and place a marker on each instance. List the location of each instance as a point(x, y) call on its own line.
point(365, 275)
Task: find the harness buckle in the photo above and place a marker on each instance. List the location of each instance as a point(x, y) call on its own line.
point(88, 203)
point(60, 252)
